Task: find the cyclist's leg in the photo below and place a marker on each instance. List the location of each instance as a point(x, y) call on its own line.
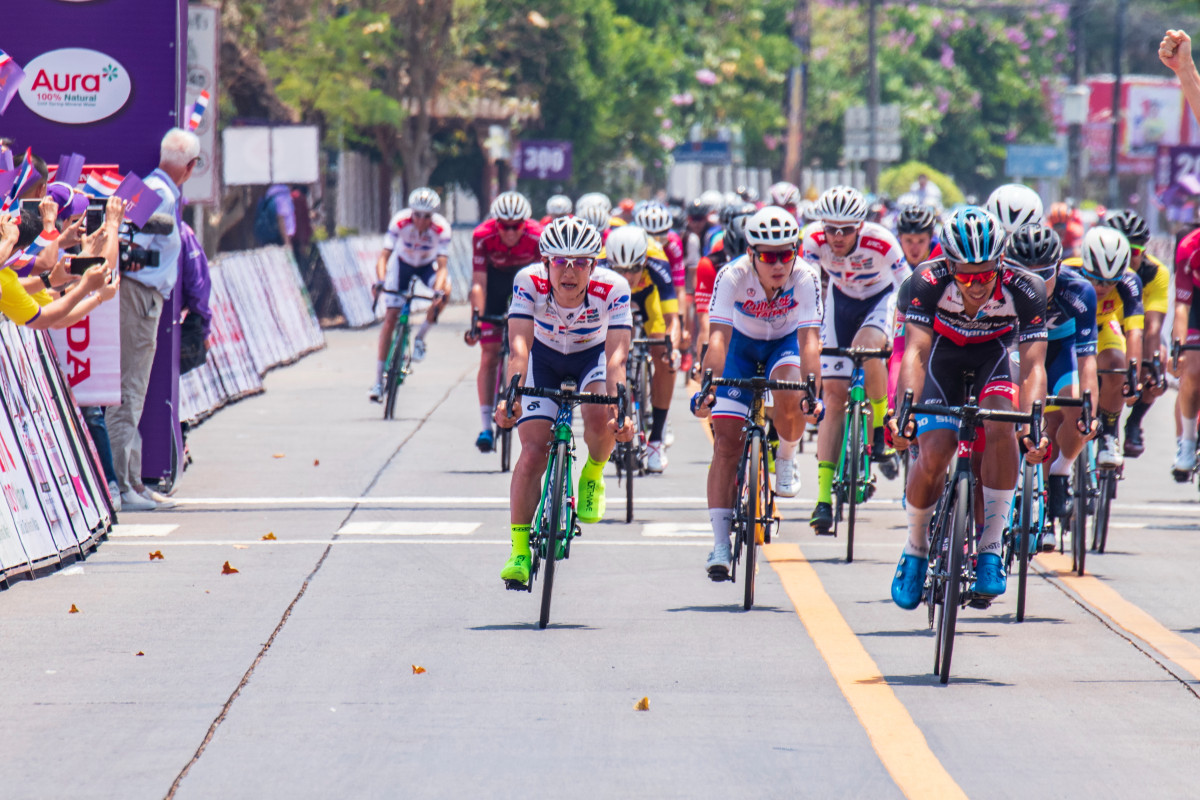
point(1111, 348)
point(589, 370)
point(1062, 379)
point(728, 418)
point(499, 288)
point(873, 334)
point(997, 390)
point(1188, 401)
point(386, 329)
point(427, 275)
point(783, 364)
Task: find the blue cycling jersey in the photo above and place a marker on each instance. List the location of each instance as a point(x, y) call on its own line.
point(1071, 312)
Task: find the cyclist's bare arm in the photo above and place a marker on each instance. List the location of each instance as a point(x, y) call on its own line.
point(810, 363)
point(616, 350)
point(718, 345)
point(918, 342)
point(1033, 388)
point(520, 340)
point(381, 264)
point(441, 281)
point(1175, 51)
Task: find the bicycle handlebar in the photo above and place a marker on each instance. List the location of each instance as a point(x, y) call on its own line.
point(568, 393)
point(1084, 423)
point(857, 353)
point(971, 413)
point(761, 385)
point(477, 319)
point(1178, 347)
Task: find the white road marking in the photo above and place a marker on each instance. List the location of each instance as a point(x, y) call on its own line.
point(583, 542)
point(141, 530)
point(676, 529)
point(392, 528)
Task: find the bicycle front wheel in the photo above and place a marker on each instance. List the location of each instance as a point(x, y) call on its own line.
point(395, 369)
point(1024, 531)
point(556, 526)
point(1079, 527)
point(754, 511)
point(1105, 484)
point(854, 474)
point(951, 596)
point(630, 460)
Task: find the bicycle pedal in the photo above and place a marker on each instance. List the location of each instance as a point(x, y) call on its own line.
point(825, 532)
point(719, 575)
point(515, 586)
point(980, 601)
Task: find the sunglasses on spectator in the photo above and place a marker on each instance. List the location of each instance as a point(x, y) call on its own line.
point(775, 256)
point(840, 230)
point(969, 278)
point(513, 226)
point(583, 262)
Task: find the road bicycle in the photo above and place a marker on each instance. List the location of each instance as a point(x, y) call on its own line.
point(853, 482)
point(630, 457)
point(754, 515)
point(398, 364)
point(952, 553)
point(1106, 477)
point(555, 523)
point(501, 436)
point(1178, 347)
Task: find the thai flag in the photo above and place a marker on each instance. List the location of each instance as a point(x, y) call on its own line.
point(11, 76)
point(198, 110)
point(101, 185)
point(26, 177)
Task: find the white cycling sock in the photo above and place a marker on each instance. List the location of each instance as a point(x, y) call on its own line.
point(721, 520)
point(1189, 429)
point(379, 365)
point(1061, 465)
point(424, 329)
point(918, 531)
point(997, 508)
point(787, 450)
point(485, 417)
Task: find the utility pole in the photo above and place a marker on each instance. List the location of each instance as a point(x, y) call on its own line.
point(1078, 75)
point(873, 97)
point(793, 161)
point(1114, 188)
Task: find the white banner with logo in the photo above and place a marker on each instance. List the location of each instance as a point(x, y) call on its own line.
point(89, 353)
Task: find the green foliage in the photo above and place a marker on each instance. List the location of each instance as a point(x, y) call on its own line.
point(897, 180)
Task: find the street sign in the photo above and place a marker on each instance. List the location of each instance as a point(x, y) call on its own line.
point(856, 145)
point(712, 152)
point(547, 160)
point(887, 118)
point(884, 152)
point(1035, 161)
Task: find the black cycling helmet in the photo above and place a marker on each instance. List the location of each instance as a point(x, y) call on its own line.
point(916, 219)
point(736, 210)
point(1034, 247)
point(698, 209)
point(733, 242)
point(1130, 223)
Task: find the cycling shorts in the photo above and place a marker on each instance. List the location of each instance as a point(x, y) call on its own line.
point(1062, 368)
point(499, 296)
point(548, 368)
point(991, 365)
point(398, 277)
point(845, 317)
point(1193, 332)
point(742, 360)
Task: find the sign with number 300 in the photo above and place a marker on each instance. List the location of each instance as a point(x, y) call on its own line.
point(544, 160)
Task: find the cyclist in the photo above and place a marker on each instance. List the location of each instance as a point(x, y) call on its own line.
point(865, 264)
point(766, 309)
point(655, 219)
point(1186, 329)
point(1119, 321)
point(501, 246)
point(1070, 352)
point(966, 314)
point(637, 258)
point(569, 319)
point(559, 205)
point(417, 244)
point(1068, 224)
point(1156, 280)
point(596, 209)
point(732, 247)
point(915, 228)
point(1014, 204)
point(786, 195)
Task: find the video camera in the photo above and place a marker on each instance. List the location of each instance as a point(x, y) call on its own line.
point(132, 257)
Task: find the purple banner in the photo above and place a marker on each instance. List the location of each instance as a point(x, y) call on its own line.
point(1173, 164)
point(102, 77)
point(546, 160)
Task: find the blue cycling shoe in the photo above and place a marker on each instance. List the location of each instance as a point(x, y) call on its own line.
point(990, 578)
point(486, 441)
point(909, 581)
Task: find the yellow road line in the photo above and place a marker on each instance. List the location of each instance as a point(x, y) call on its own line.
point(896, 738)
point(1101, 597)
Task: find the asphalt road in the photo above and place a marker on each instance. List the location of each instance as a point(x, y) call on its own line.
point(298, 676)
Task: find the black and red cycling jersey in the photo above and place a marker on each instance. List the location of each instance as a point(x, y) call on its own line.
point(1015, 313)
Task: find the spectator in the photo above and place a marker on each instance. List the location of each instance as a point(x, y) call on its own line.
point(275, 220)
point(1175, 51)
point(303, 226)
point(145, 289)
point(927, 192)
point(195, 285)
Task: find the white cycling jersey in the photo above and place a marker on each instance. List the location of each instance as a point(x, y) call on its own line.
point(739, 300)
point(875, 264)
point(571, 330)
point(413, 247)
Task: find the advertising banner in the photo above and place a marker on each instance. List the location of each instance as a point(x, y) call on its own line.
point(1152, 116)
point(102, 77)
point(203, 187)
point(547, 160)
point(90, 355)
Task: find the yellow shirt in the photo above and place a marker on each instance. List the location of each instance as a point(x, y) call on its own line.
point(16, 303)
point(1156, 281)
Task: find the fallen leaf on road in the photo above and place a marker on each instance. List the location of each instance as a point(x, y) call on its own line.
point(417, 670)
point(139, 653)
point(316, 462)
point(277, 455)
point(642, 705)
point(241, 547)
point(228, 570)
point(73, 610)
point(157, 554)
point(270, 537)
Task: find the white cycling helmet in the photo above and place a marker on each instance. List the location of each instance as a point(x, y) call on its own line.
point(559, 205)
point(598, 215)
point(772, 225)
point(654, 218)
point(594, 198)
point(971, 235)
point(784, 194)
point(1106, 254)
point(1015, 204)
point(841, 204)
point(625, 247)
point(511, 206)
point(569, 237)
point(713, 199)
point(424, 199)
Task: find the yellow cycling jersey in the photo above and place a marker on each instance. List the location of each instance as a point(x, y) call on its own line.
point(1123, 304)
point(1156, 281)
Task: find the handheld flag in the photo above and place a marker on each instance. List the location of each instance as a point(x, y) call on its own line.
point(101, 184)
point(7, 179)
point(198, 110)
point(69, 169)
point(6, 161)
point(142, 201)
point(11, 76)
point(26, 177)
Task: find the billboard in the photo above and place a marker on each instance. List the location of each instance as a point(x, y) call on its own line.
point(1152, 117)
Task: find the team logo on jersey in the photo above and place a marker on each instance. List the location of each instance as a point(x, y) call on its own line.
point(541, 284)
point(769, 309)
point(598, 289)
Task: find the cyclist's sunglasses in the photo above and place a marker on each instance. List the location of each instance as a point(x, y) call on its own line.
point(631, 269)
point(839, 230)
point(1137, 248)
point(515, 225)
point(969, 278)
point(583, 262)
point(1092, 279)
point(776, 256)
point(422, 215)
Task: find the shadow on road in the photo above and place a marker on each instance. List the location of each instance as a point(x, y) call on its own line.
point(929, 679)
point(531, 626)
point(732, 609)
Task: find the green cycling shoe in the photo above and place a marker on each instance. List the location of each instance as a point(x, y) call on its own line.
point(517, 568)
point(591, 499)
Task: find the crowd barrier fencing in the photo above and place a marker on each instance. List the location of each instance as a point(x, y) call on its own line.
point(262, 319)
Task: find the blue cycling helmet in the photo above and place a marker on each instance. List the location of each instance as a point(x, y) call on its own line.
point(972, 236)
